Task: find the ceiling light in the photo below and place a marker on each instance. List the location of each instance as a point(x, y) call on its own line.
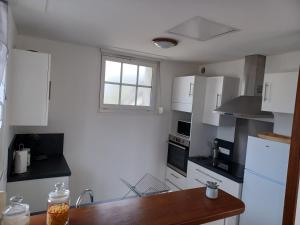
point(201, 29)
point(164, 42)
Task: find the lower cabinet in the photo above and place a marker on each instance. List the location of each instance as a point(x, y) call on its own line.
point(35, 192)
point(218, 222)
point(197, 176)
point(175, 180)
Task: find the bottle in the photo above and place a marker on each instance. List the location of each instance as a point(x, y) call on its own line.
point(58, 205)
point(17, 213)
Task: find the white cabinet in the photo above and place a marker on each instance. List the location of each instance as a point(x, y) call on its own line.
point(218, 91)
point(279, 92)
point(177, 181)
point(30, 88)
point(218, 222)
point(182, 98)
point(35, 192)
point(197, 176)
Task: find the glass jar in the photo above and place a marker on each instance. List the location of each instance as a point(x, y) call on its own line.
point(58, 206)
point(17, 213)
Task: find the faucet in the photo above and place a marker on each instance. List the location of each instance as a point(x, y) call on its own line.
point(86, 191)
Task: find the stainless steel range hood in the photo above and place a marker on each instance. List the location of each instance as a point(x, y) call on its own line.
point(249, 105)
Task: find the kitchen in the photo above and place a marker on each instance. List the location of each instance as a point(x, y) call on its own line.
point(113, 140)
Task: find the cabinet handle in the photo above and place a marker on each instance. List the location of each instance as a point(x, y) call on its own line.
point(199, 181)
point(174, 176)
point(50, 85)
point(178, 146)
point(190, 91)
point(206, 174)
point(265, 92)
point(217, 101)
point(173, 184)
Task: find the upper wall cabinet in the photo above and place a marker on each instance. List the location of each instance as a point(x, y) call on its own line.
point(30, 88)
point(183, 88)
point(218, 91)
point(279, 92)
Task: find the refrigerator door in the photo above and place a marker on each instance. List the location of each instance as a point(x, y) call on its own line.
point(268, 158)
point(264, 200)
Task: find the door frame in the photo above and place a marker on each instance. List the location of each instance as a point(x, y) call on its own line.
point(293, 174)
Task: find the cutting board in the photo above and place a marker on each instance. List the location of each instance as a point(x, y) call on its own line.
point(275, 137)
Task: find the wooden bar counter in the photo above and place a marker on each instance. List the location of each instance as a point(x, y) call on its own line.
point(188, 207)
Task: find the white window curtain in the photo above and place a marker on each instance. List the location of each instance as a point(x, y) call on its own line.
point(3, 62)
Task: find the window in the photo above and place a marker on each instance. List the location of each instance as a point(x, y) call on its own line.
point(127, 84)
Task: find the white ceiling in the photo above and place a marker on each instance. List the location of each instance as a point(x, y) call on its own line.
point(266, 26)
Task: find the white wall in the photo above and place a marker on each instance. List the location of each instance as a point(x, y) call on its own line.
point(7, 130)
point(102, 147)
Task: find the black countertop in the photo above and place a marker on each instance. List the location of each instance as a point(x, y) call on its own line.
point(47, 168)
point(230, 170)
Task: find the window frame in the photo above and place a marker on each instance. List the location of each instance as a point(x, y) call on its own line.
point(127, 60)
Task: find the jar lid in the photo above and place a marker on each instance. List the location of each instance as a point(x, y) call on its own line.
point(60, 194)
point(213, 185)
point(16, 207)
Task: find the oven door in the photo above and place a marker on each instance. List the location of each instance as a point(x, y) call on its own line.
point(178, 157)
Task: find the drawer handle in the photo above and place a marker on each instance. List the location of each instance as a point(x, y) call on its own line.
point(173, 184)
point(199, 181)
point(174, 176)
point(209, 176)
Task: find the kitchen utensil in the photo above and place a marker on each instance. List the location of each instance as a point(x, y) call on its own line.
point(215, 150)
point(17, 213)
point(212, 190)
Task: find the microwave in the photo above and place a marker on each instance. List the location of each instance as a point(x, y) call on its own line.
point(184, 128)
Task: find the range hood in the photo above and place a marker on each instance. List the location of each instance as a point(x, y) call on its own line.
point(249, 104)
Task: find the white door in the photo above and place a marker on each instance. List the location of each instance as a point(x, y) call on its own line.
point(279, 92)
point(264, 200)
point(30, 88)
point(213, 99)
point(183, 88)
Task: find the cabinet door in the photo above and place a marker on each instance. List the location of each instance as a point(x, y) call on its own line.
point(279, 92)
point(213, 99)
point(218, 222)
point(35, 192)
point(183, 88)
point(30, 88)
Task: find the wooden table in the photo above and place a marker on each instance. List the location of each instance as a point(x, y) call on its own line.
point(188, 207)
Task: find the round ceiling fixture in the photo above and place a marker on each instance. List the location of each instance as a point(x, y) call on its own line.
point(164, 42)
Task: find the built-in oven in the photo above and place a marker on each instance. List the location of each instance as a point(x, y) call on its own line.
point(178, 154)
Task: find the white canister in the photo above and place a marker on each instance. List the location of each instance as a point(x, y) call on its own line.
point(21, 161)
point(212, 190)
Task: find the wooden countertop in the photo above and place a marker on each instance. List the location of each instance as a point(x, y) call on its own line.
point(187, 207)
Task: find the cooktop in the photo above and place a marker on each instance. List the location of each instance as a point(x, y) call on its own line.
point(229, 169)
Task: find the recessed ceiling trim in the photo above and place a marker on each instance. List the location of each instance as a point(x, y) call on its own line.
point(201, 29)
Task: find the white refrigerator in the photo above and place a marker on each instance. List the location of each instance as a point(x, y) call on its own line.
point(264, 182)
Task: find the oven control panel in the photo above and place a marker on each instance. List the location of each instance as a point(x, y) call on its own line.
point(179, 140)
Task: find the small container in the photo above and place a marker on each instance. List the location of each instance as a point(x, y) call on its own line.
point(58, 206)
point(212, 190)
point(17, 213)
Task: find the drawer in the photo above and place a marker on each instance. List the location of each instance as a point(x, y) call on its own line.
point(198, 172)
point(175, 178)
point(172, 186)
